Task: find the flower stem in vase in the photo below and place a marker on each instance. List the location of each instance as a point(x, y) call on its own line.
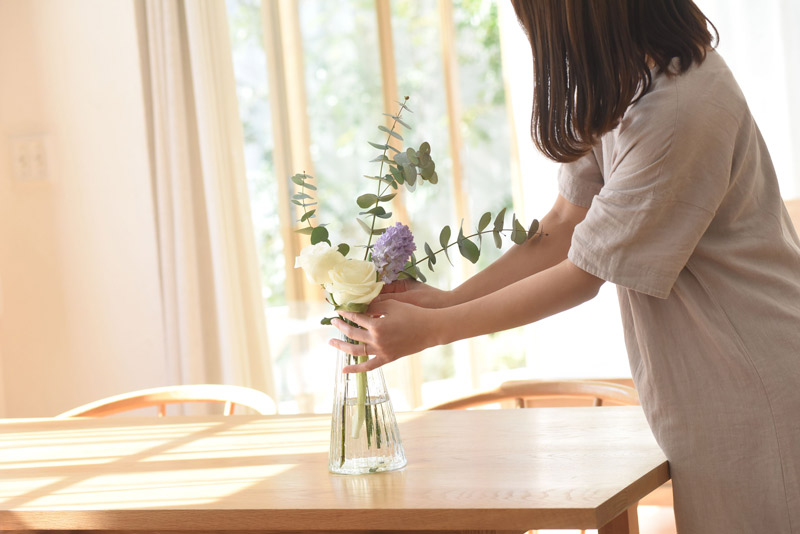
point(361, 399)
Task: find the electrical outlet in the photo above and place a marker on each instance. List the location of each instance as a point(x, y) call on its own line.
point(30, 158)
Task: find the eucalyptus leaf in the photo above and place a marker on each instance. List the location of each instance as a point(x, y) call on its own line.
point(427, 170)
point(404, 106)
point(410, 174)
point(319, 235)
point(379, 146)
point(411, 154)
point(306, 230)
point(327, 320)
point(499, 221)
point(366, 227)
point(377, 210)
point(533, 229)
point(401, 159)
point(518, 233)
point(382, 158)
point(486, 218)
point(343, 249)
point(310, 187)
point(497, 241)
point(397, 173)
point(386, 215)
point(301, 196)
point(444, 240)
point(366, 200)
point(425, 148)
point(434, 179)
point(467, 248)
point(398, 119)
point(390, 132)
point(298, 179)
point(431, 256)
point(387, 198)
point(297, 202)
point(307, 215)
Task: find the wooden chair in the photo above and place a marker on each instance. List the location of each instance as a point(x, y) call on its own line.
point(231, 395)
point(525, 393)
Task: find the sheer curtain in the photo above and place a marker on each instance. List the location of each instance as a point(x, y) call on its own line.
point(760, 43)
point(213, 311)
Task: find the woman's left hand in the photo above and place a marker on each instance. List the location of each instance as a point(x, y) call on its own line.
point(390, 330)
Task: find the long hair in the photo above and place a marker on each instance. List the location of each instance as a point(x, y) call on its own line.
point(590, 62)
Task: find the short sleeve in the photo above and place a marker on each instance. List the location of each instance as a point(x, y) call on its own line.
point(668, 173)
point(580, 180)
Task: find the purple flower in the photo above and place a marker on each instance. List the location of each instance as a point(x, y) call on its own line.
point(392, 250)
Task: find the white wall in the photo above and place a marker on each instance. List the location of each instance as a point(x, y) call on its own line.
point(80, 315)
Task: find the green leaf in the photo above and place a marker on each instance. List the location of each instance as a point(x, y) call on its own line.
point(307, 215)
point(397, 173)
point(431, 256)
point(427, 170)
point(366, 227)
point(497, 241)
point(533, 229)
point(378, 178)
point(424, 148)
point(297, 202)
point(486, 218)
point(390, 132)
point(327, 320)
point(467, 248)
point(420, 276)
point(319, 235)
point(500, 220)
point(377, 210)
point(343, 249)
point(412, 156)
point(382, 158)
point(298, 179)
point(434, 179)
point(301, 196)
point(366, 200)
point(398, 119)
point(379, 147)
point(387, 198)
point(310, 187)
point(410, 174)
point(444, 237)
point(404, 106)
point(518, 233)
point(306, 230)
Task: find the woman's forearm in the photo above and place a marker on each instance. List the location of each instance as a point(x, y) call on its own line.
point(535, 297)
point(533, 256)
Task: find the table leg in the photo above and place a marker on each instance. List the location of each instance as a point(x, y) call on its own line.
point(625, 523)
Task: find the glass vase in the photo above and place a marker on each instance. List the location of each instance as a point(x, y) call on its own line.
point(364, 434)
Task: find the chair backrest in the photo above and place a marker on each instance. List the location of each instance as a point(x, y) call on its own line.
point(160, 397)
point(522, 392)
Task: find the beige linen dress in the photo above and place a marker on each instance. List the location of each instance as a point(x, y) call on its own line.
point(686, 218)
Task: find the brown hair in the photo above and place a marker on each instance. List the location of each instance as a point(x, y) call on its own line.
point(590, 62)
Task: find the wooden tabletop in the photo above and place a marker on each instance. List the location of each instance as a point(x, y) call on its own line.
point(508, 470)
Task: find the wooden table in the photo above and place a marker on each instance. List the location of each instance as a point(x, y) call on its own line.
point(468, 471)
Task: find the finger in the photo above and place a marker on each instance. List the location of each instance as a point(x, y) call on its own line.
point(354, 333)
point(398, 286)
point(348, 348)
point(364, 321)
point(368, 365)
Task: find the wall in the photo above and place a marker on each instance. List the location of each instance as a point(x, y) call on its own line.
point(80, 316)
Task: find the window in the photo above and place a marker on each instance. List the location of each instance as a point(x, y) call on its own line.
point(313, 79)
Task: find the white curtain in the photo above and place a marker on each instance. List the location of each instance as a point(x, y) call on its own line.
point(213, 310)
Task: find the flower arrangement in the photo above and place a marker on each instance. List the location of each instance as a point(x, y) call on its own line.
point(351, 283)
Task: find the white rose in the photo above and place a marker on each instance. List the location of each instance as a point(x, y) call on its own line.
point(317, 261)
point(354, 282)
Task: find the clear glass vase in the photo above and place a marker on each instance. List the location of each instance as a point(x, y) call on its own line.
point(364, 434)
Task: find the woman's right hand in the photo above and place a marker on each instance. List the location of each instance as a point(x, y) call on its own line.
point(416, 293)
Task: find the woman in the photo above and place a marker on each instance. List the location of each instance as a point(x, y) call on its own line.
point(666, 190)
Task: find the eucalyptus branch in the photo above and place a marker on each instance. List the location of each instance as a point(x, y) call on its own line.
point(383, 158)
